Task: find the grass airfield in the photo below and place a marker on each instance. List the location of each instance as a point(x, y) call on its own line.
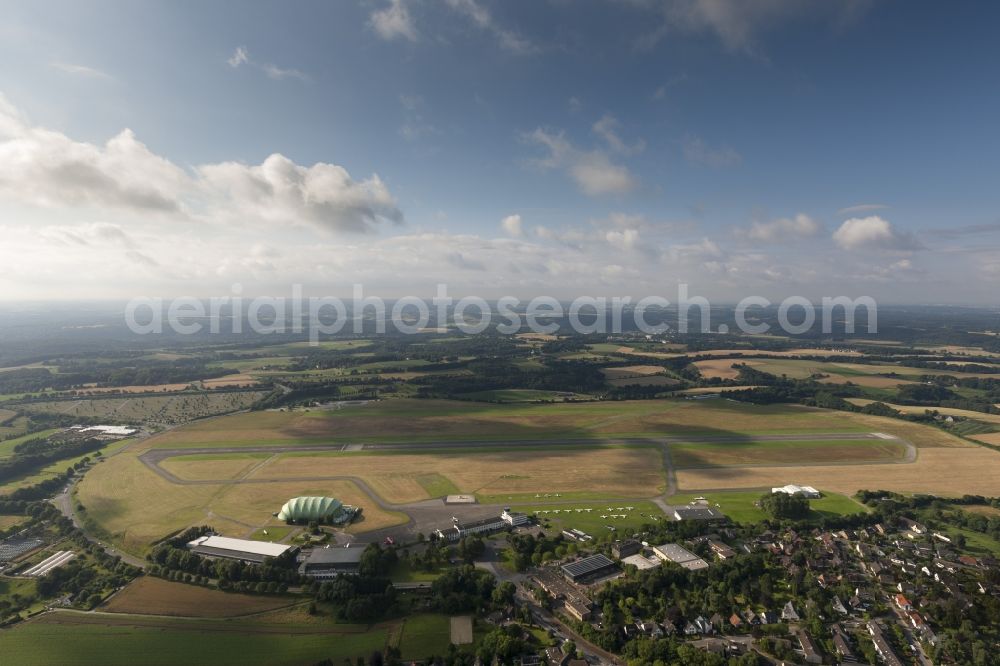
point(234, 472)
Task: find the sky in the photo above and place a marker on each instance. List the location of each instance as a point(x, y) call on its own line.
point(526, 147)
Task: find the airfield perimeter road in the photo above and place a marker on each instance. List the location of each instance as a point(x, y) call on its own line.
point(435, 512)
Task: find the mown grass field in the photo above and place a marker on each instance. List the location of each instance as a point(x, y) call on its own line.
point(696, 455)
point(587, 516)
point(741, 506)
point(441, 420)
point(946, 471)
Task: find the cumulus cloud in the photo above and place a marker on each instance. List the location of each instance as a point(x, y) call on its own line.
point(784, 228)
point(512, 226)
point(483, 19)
point(627, 239)
point(699, 152)
point(394, 22)
point(45, 168)
point(593, 171)
point(873, 232)
point(607, 129)
point(280, 191)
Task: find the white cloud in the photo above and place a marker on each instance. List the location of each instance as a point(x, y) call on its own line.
point(275, 72)
point(800, 226)
point(240, 57)
point(95, 233)
point(593, 171)
point(697, 151)
point(873, 232)
point(283, 192)
point(627, 239)
point(607, 129)
point(47, 169)
point(481, 17)
point(81, 70)
point(393, 22)
point(512, 226)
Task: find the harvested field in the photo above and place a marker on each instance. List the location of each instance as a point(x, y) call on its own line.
point(154, 596)
point(941, 471)
point(785, 452)
point(9, 521)
point(992, 438)
point(240, 380)
point(721, 368)
point(981, 509)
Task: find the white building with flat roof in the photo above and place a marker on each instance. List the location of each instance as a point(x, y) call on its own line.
point(792, 489)
point(245, 550)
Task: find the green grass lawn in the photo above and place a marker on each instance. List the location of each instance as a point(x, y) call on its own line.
point(642, 512)
point(273, 533)
point(404, 573)
point(437, 485)
point(7, 446)
point(739, 505)
point(425, 635)
point(108, 640)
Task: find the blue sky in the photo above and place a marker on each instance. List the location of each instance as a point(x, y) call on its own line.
point(605, 147)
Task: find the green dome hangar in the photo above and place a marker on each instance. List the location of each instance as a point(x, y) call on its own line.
point(323, 510)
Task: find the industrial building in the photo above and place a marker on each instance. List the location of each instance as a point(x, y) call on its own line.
point(330, 562)
point(244, 550)
point(672, 552)
point(697, 513)
point(589, 568)
point(622, 549)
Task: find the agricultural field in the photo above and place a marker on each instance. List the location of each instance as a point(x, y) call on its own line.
point(945, 411)
point(107, 639)
point(7, 522)
point(149, 595)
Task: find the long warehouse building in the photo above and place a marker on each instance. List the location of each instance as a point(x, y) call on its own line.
point(244, 550)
